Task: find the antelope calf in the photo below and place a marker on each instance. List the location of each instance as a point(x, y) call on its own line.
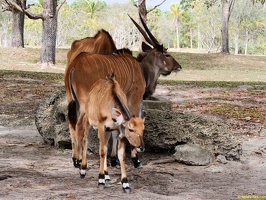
point(106, 109)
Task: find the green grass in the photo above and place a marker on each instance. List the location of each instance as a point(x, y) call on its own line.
point(236, 111)
point(31, 75)
point(203, 61)
point(199, 67)
point(212, 83)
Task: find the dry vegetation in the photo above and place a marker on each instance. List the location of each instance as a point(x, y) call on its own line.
point(196, 66)
point(21, 82)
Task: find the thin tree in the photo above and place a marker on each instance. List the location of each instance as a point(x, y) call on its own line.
point(177, 12)
point(18, 21)
point(227, 7)
point(49, 24)
point(94, 6)
point(142, 9)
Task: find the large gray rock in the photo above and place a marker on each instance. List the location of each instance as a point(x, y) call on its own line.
point(164, 129)
point(51, 120)
point(193, 154)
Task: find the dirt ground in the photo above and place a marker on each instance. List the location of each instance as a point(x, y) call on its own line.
point(29, 169)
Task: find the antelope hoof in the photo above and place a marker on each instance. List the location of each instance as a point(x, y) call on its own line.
point(127, 190)
point(125, 186)
point(136, 163)
point(101, 181)
point(113, 161)
point(101, 186)
point(82, 173)
point(107, 182)
point(76, 162)
point(107, 179)
point(139, 166)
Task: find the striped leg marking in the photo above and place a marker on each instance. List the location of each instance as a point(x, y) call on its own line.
point(107, 178)
point(82, 172)
point(136, 162)
point(76, 162)
point(114, 161)
point(125, 185)
point(101, 181)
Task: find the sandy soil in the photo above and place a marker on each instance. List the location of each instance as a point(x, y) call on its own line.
point(29, 169)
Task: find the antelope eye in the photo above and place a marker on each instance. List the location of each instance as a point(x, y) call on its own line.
point(130, 128)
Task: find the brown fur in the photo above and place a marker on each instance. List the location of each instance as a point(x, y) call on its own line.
point(154, 62)
point(102, 42)
point(103, 96)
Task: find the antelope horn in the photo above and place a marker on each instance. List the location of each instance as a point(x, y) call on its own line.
point(154, 40)
point(143, 32)
point(125, 109)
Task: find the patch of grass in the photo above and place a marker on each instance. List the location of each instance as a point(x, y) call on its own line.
point(212, 83)
point(202, 61)
point(196, 66)
point(31, 75)
point(235, 111)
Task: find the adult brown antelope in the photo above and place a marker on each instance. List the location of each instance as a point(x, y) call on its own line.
point(102, 42)
point(153, 62)
point(91, 67)
point(105, 109)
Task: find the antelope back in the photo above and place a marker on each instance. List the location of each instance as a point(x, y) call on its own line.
point(91, 67)
point(102, 43)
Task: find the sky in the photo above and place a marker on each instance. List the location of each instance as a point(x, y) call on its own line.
point(149, 3)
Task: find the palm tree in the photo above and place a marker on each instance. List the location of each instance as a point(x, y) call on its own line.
point(177, 12)
point(94, 6)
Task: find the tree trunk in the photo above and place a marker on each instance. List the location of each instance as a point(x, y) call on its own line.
point(177, 38)
point(191, 38)
point(227, 6)
point(18, 26)
point(246, 42)
point(49, 25)
point(199, 38)
point(143, 13)
point(237, 40)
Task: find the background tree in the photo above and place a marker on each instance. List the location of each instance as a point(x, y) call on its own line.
point(5, 27)
point(142, 10)
point(177, 12)
point(201, 26)
point(49, 25)
point(18, 20)
point(188, 29)
point(94, 6)
point(227, 7)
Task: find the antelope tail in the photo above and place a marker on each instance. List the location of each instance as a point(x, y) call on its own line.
point(73, 106)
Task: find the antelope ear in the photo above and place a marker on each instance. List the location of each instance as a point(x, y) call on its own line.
point(145, 47)
point(117, 116)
